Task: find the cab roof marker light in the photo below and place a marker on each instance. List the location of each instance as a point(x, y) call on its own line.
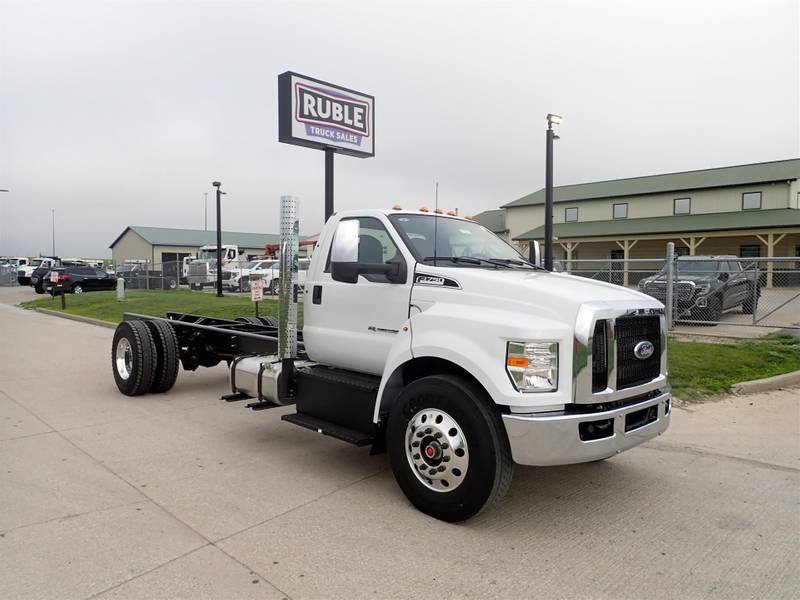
point(397, 207)
point(423, 209)
point(438, 211)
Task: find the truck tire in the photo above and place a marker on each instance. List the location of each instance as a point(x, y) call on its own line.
point(712, 312)
point(268, 320)
point(133, 357)
point(167, 356)
point(750, 306)
point(448, 448)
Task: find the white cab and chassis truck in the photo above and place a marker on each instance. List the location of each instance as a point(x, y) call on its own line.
point(428, 337)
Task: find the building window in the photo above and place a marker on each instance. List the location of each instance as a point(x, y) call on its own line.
point(621, 211)
point(682, 206)
point(751, 201)
point(750, 251)
point(570, 215)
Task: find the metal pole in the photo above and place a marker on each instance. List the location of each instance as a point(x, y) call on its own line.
point(755, 292)
point(328, 183)
point(205, 213)
point(670, 281)
point(219, 242)
point(53, 219)
point(548, 201)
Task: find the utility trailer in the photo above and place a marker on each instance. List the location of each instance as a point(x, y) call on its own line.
point(429, 338)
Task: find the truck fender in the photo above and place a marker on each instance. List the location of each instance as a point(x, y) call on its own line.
point(392, 379)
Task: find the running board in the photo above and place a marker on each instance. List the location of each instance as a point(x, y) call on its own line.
point(351, 436)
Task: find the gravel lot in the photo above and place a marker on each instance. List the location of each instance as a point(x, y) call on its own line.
point(185, 496)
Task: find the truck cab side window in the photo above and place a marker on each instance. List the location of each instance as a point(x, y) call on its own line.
point(375, 246)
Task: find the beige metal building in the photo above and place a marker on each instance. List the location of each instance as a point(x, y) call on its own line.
point(163, 245)
point(747, 210)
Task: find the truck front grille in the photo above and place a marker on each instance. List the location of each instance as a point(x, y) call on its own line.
point(630, 330)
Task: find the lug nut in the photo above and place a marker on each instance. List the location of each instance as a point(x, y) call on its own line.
point(428, 430)
point(416, 457)
point(437, 435)
point(423, 468)
point(420, 434)
point(445, 459)
point(441, 468)
point(445, 446)
point(415, 444)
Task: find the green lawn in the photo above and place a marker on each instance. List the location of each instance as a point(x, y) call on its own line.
point(104, 305)
point(700, 369)
point(697, 369)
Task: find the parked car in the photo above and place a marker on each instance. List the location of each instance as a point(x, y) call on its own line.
point(77, 280)
point(140, 276)
point(706, 286)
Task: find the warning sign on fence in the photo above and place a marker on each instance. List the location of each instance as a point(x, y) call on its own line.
point(256, 290)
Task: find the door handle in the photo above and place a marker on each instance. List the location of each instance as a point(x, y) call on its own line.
point(316, 294)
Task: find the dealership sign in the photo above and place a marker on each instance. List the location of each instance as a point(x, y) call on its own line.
point(322, 115)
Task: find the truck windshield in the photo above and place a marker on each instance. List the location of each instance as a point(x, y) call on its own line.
point(698, 267)
point(454, 238)
point(207, 253)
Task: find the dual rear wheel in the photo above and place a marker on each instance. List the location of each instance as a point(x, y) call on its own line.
point(144, 357)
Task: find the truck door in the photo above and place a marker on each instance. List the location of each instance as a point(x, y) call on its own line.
point(353, 325)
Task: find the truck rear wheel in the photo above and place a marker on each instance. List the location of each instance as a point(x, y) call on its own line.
point(448, 448)
point(166, 356)
point(133, 356)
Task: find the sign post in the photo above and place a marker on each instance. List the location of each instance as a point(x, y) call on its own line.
point(325, 116)
point(256, 291)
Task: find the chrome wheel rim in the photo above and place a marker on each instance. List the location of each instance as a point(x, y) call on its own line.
point(78, 289)
point(437, 450)
point(123, 358)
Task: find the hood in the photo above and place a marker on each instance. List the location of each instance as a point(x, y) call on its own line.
point(555, 294)
point(684, 277)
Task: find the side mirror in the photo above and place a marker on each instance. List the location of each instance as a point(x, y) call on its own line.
point(535, 253)
point(344, 252)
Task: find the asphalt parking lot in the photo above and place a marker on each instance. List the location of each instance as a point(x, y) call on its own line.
point(184, 496)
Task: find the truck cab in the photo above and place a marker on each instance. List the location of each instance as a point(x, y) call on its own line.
point(202, 271)
point(26, 271)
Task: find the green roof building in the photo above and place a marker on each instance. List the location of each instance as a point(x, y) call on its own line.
point(747, 210)
point(165, 245)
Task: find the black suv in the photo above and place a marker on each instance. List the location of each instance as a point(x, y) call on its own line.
point(705, 286)
point(80, 279)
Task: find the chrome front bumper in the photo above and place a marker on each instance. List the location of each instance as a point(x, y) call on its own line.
point(542, 439)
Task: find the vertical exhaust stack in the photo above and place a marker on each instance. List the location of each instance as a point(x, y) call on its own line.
point(287, 307)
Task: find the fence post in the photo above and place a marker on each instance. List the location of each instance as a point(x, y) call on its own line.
point(670, 280)
point(756, 283)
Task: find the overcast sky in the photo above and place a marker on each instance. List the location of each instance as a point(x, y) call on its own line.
point(121, 113)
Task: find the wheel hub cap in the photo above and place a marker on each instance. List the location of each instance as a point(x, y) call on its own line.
point(437, 450)
point(123, 358)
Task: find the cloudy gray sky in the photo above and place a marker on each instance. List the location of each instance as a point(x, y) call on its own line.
point(121, 113)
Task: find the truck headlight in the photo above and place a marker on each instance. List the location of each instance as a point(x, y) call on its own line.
point(533, 366)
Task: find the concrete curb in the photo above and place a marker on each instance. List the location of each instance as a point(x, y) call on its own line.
point(767, 384)
point(78, 318)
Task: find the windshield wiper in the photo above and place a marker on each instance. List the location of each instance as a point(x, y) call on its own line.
point(472, 260)
point(520, 262)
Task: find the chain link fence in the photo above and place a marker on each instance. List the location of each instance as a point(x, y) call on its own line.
point(707, 291)
point(8, 275)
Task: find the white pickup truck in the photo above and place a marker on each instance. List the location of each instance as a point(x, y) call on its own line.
point(429, 337)
point(265, 269)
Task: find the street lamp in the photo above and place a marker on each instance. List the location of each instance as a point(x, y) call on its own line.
point(552, 119)
point(217, 185)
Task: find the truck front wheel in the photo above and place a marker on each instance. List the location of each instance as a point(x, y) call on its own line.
point(448, 448)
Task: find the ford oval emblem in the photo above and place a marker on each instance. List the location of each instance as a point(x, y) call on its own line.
point(643, 350)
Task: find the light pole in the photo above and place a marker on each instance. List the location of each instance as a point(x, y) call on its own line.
point(552, 119)
point(1, 231)
point(205, 213)
point(217, 185)
point(53, 219)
